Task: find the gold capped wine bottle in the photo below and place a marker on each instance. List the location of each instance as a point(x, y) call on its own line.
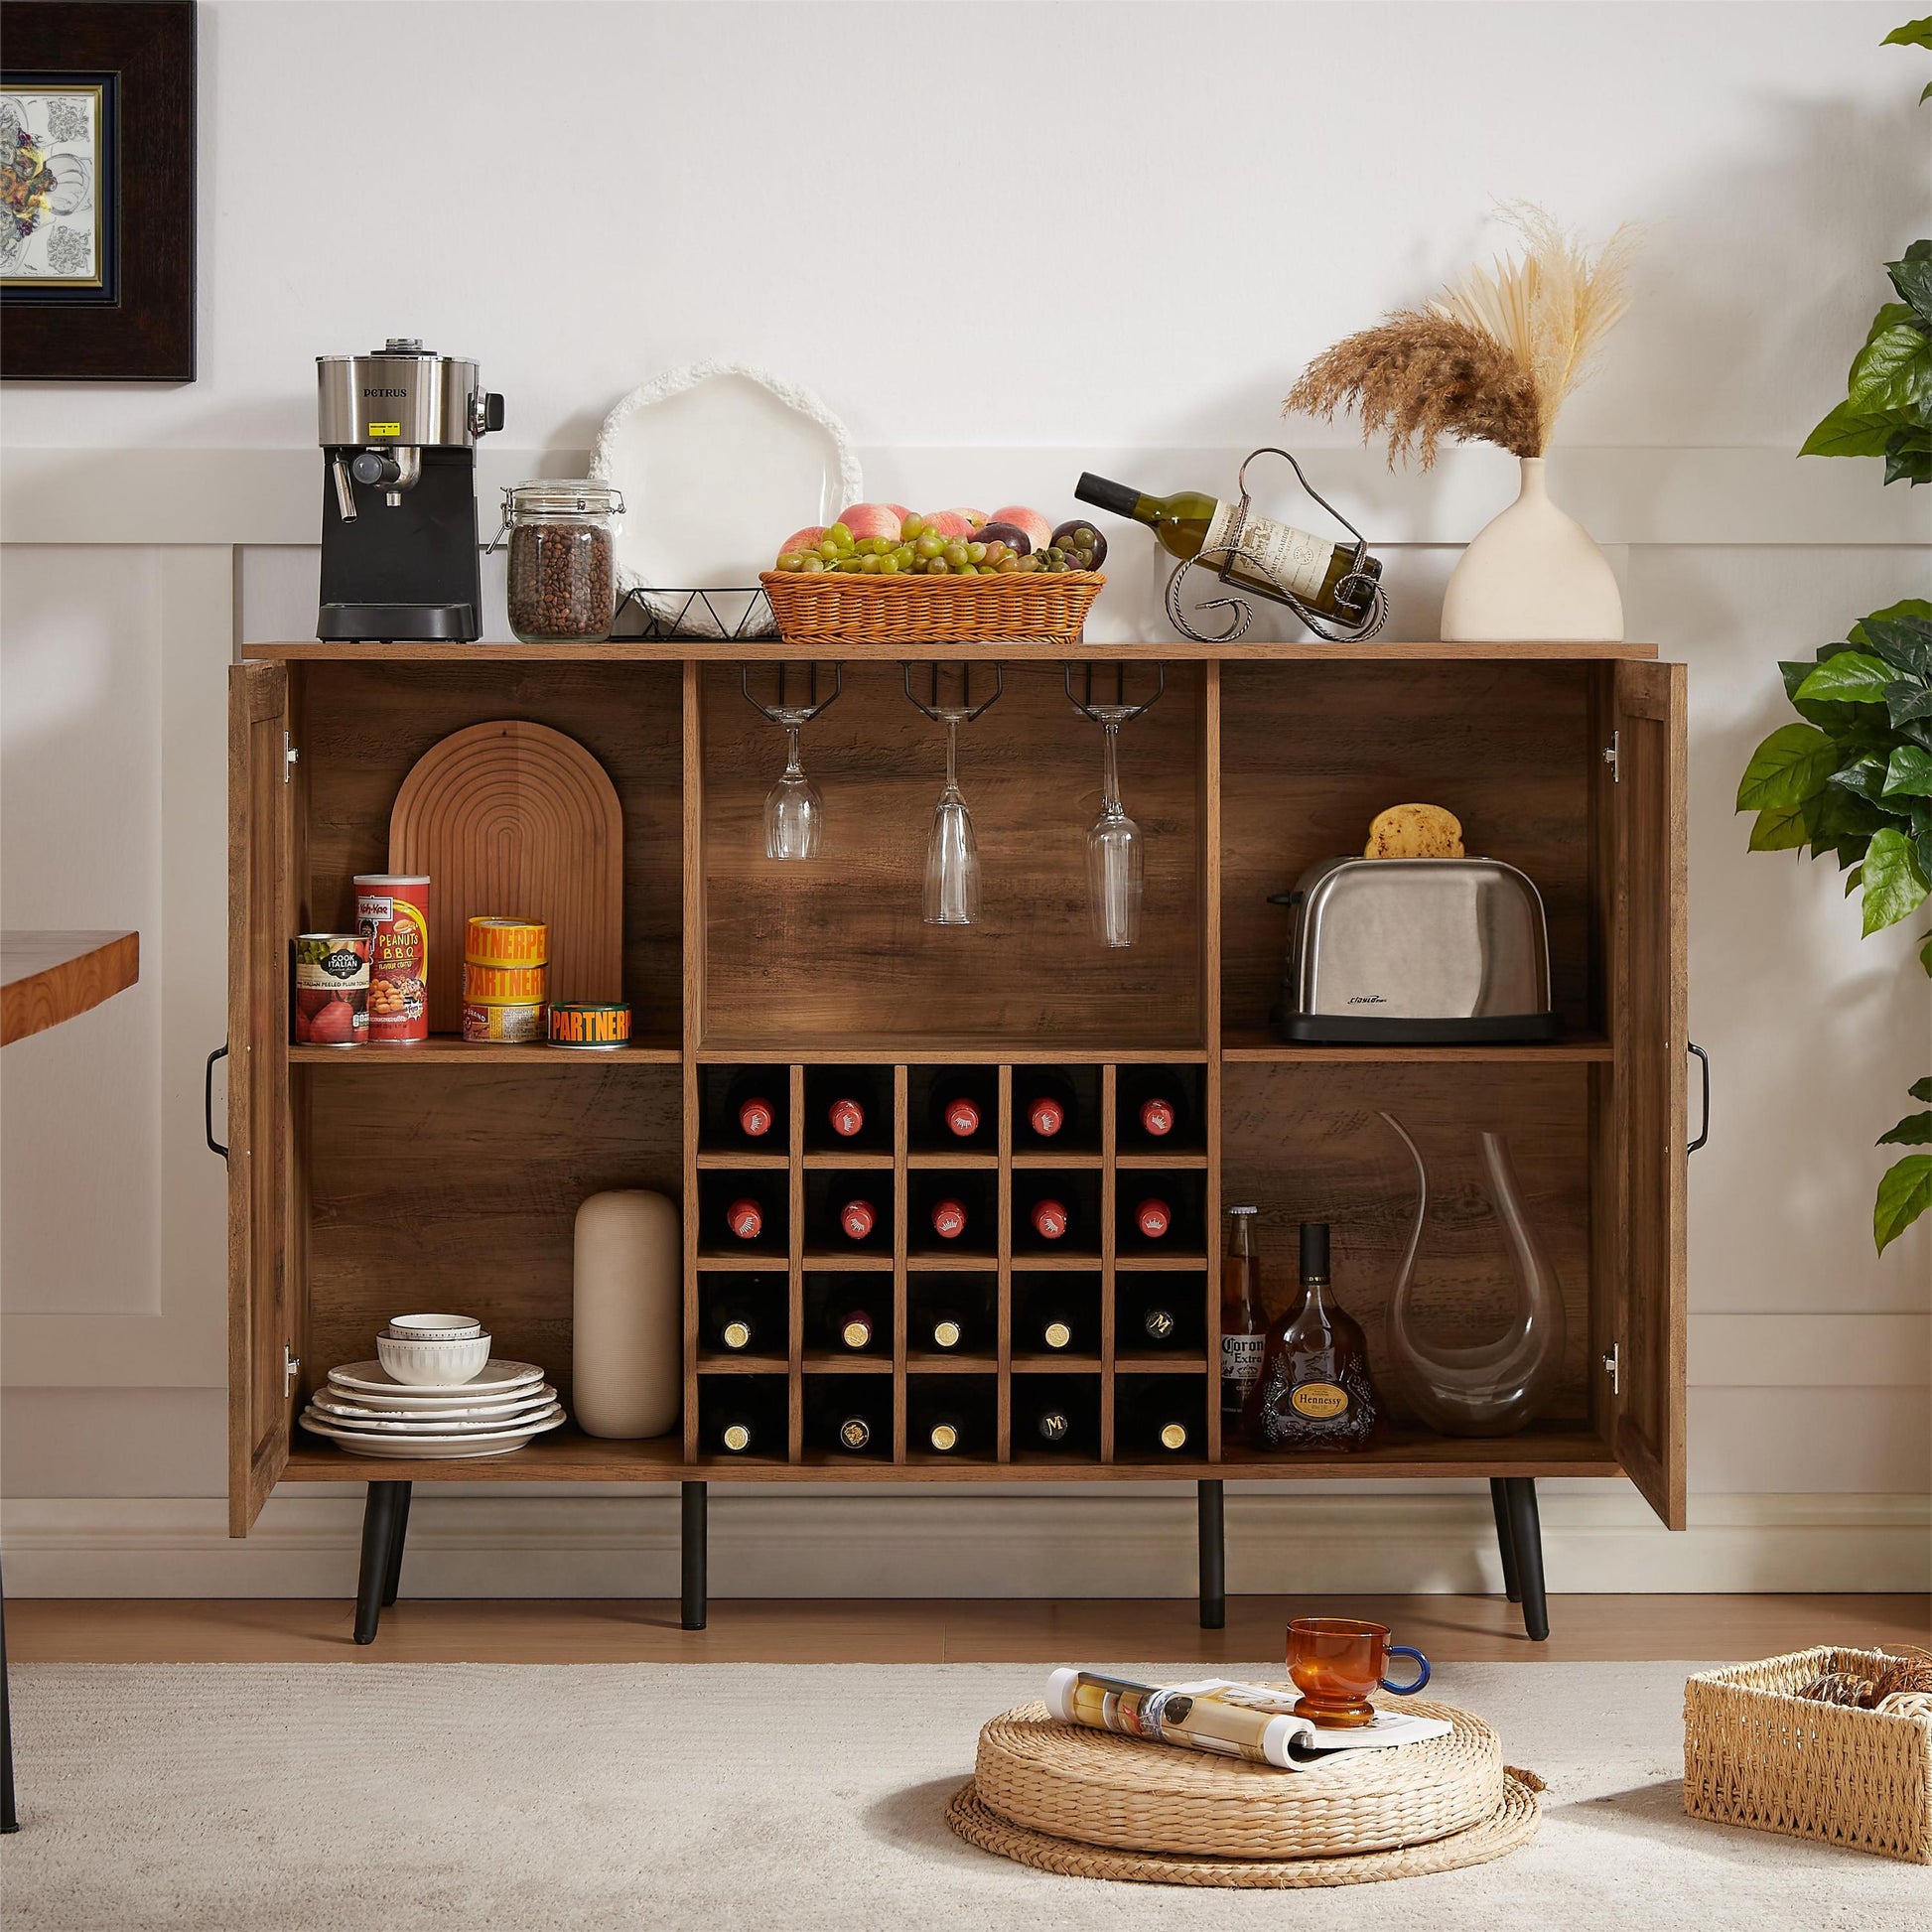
point(1322, 574)
point(1314, 1391)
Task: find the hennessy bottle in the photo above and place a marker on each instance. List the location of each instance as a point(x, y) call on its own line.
point(1314, 1391)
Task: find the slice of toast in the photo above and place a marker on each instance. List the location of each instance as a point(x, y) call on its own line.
point(1415, 832)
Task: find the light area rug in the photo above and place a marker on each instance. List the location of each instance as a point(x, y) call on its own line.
point(344, 1797)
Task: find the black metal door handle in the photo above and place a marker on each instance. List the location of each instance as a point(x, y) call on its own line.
point(207, 1103)
point(1704, 1128)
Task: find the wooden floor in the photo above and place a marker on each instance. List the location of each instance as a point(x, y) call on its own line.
point(1449, 1628)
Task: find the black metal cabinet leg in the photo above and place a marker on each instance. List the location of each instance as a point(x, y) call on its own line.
point(378, 1530)
point(1526, 1534)
point(1505, 1542)
point(398, 1533)
point(9, 1818)
point(1213, 1555)
point(695, 1556)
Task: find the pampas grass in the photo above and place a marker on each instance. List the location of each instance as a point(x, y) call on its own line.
point(1491, 360)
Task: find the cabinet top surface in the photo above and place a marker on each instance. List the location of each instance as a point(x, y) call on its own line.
point(1173, 650)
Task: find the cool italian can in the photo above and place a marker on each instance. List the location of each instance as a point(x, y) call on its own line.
point(332, 989)
point(392, 913)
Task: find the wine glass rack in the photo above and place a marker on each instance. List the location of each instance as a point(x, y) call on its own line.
point(1259, 760)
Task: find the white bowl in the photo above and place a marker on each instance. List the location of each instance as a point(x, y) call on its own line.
point(421, 1362)
point(434, 1327)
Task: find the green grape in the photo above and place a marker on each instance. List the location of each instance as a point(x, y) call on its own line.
point(888, 565)
point(1007, 565)
point(812, 565)
point(929, 546)
point(955, 553)
point(850, 566)
point(828, 550)
point(790, 561)
point(912, 527)
point(935, 566)
point(869, 564)
point(838, 536)
point(906, 554)
point(976, 553)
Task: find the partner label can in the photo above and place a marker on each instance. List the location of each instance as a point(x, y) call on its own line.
point(599, 1025)
point(392, 913)
point(502, 1020)
point(498, 939)
point(332, 989)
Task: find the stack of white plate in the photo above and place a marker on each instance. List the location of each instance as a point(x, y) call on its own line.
point(367, 1411)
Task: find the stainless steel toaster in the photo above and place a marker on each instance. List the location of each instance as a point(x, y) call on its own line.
point(1416, 951)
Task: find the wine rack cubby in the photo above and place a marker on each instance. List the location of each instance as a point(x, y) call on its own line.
point(1035, 1314)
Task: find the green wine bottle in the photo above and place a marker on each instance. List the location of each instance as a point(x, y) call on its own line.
point(1189, 524)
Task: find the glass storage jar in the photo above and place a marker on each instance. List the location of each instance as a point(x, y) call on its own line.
point(563, 587)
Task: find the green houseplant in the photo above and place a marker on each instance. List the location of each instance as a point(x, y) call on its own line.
point(1854, 778)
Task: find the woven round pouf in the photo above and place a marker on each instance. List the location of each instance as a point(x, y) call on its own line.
point(1513, 1823)
point(1101, 1789)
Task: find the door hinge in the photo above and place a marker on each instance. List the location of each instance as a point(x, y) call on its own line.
point(290, 757)
point(1612, 1367)
point(1610, 757)
point(291, 1368)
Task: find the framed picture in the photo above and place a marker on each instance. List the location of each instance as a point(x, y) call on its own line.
point(97, 191)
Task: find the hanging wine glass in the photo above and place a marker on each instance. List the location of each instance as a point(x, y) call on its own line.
point(794, 812)
point(1116, 865)
point(952, 856)
point(1116, 849)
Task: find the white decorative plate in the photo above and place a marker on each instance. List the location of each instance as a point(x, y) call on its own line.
point(496, 1378)
point(718, 463)
point(546, 1416)
point(339, 1402)
point(425, 1448)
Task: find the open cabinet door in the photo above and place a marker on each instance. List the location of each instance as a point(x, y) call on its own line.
point(1651, 980)
point(262, 1332)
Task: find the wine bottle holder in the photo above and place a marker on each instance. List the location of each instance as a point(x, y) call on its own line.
point(993, 1281)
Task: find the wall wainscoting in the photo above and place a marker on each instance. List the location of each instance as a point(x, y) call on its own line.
point(965, 1543)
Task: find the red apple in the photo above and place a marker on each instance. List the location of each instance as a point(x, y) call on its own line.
point(900, 510)
point(873, 520)
point(809, 538)
point(974, 517)
point(950, 523)
point(1036, 526)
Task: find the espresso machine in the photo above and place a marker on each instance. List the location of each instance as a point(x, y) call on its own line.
point(399, 430)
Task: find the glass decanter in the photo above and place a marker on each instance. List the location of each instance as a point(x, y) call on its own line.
point(1493, 1387)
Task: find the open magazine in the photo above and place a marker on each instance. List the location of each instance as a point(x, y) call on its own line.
point(1218, 1714)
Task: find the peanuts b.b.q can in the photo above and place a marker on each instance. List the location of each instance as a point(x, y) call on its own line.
point(332, 989)
point(392, 913)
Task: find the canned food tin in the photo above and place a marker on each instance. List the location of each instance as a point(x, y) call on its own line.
point(392, 912)
point(332, 989)
point(595, 1024)
point(503, 1019)
point(497, 939)
point(518, 986)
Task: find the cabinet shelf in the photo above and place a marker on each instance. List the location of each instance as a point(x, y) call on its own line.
point(1258, 1047)
point(449, 1051)
point(943, 1049)
point(728, 1363)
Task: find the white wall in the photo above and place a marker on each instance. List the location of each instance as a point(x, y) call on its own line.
point(995, 266)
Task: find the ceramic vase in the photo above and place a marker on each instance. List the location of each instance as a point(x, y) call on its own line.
point(626, 1315)
point(1532, 576)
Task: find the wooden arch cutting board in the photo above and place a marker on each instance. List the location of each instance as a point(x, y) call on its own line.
point(512, 817)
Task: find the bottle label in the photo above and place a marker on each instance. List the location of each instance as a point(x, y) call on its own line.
point(1241, 1359)
point(1321, 1401)
point(1297, 560)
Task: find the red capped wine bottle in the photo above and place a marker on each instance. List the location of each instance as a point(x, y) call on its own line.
point(1044, 1106)
point(856, 1219)
point(750, 1105)
point(746, 1219)
point(948, 1219)
point(1154, 1217)
point(1151, 1106)
point(962, 1107)
point(1049, 1218)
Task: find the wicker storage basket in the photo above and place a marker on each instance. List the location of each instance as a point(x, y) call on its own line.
point(831, 609)
point(1757, 1753)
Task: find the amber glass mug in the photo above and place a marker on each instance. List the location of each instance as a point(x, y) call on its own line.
point(1336, 1663)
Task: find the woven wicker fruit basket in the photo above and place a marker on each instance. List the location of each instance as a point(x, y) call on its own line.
point(1757, 1753)
point(830, 608)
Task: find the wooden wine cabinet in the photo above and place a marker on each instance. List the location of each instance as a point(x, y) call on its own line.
point(368, 1181)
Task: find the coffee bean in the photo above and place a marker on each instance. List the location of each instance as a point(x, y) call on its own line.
point(562, 586)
